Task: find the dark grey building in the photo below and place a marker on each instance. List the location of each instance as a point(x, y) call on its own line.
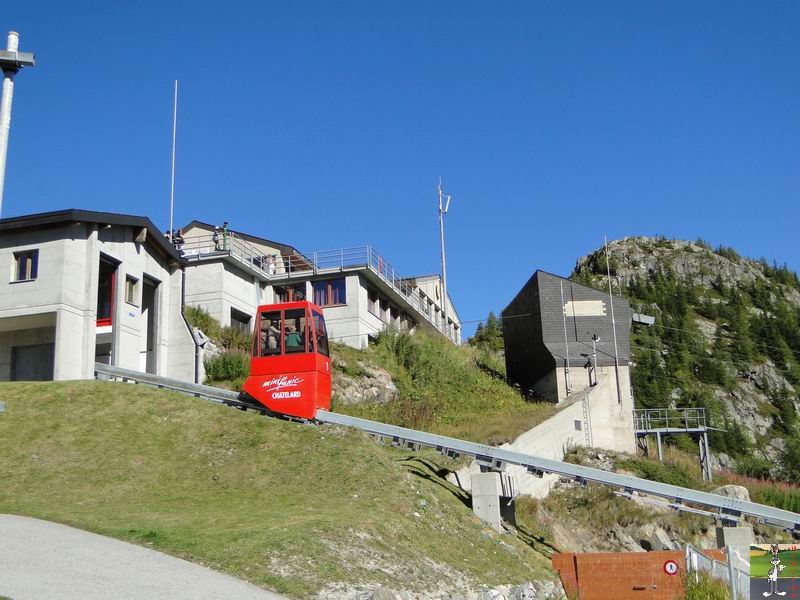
point(553, 317)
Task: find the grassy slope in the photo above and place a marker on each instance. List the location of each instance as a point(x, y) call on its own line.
point(442, 390)
point(286, 506)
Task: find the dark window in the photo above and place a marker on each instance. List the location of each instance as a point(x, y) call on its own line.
point(271, 333)
point(577, 425)
point(240, 321)
point(372, 302)
point(322, 334)
point(27, 265)
point(296, 333)
point(105, 293)
point(330, 292)
point(290, 293)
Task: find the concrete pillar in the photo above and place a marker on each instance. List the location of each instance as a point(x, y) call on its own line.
point(738, 538)
point(486, 491)
point(71, 360)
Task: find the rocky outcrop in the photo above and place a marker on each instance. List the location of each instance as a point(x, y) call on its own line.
point(361, 383)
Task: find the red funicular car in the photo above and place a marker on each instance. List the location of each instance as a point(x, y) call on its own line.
point(290, 368)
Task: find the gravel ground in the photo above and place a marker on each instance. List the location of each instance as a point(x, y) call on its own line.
point(40, 560)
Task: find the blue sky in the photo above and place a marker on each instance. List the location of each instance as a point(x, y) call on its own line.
point(327, 124)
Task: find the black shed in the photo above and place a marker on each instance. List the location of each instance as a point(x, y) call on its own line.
point(537, 345)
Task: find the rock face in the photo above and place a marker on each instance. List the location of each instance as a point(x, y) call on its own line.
point(361, 383)
point(736, 492)
point(747, 402)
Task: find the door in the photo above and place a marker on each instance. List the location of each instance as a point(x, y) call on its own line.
point(149, 326)
point(32, 363)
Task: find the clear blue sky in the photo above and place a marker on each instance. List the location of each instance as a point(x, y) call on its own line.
point(326, 124)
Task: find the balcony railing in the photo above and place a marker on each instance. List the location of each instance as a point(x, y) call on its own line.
point(286, 266)
point(651, 419)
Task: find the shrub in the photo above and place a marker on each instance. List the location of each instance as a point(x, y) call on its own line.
point(706, 588)
point(227, 365)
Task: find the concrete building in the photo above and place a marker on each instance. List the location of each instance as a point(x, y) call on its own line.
point(230, 273)
point(548, 329)
point(86, 286)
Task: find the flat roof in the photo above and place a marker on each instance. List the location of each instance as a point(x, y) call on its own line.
point(284, 248)
point(76, 215)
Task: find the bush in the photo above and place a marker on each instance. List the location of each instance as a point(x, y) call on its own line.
point(706, 588)
point(670, 473)
point(227, 366)
point(230, 338)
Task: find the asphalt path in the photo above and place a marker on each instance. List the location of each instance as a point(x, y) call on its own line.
point(759, 586)
point(40, 560)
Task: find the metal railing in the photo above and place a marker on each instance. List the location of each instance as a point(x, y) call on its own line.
point(280, 266)
point(735, 573)
point(653, 419)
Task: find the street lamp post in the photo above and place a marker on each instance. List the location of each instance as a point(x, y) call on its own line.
point(11, 61)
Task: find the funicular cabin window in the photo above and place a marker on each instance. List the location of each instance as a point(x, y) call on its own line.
point(330, 292)
point(322, 334)
point(26, 265)
point(271, 334)
point(296, 331)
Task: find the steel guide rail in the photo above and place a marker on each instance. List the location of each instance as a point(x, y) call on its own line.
point(679, 498)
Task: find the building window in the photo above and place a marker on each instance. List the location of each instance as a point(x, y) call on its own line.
point(105, 293)
point(372, 303)
point(330, 292)
point(290, 293)
point(131, 283)
point(240, 321)
point(26, 265)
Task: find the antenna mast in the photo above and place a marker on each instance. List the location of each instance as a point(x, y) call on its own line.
point(442, 212)
point(172, 182)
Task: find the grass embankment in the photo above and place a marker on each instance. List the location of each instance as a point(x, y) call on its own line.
point(442, 390)
point(707, 588)
point(289, 507)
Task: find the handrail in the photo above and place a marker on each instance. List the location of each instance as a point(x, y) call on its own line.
point(730, 509)
point(652, 419)
point(279, 266)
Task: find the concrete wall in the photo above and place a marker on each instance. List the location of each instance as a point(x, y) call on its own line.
point(611, 429)
point(622, 576)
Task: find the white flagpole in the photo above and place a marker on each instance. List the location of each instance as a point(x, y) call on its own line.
point(172, 183)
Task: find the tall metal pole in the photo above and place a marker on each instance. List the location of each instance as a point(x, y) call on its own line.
point(11, 61)
point(443, 206)
point(172, 182)
point(613, 323)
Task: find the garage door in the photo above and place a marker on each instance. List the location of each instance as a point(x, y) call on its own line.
point(32, 363)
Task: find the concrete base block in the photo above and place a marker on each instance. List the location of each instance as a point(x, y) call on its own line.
point(492, 498)
point(739, 538)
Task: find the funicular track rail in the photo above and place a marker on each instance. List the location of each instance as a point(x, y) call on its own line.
point(678, 498)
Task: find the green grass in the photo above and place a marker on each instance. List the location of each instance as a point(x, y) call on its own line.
point(443, 390)
point(289, 507)
point(760, 565)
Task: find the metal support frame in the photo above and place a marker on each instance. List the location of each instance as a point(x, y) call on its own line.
point(663, 421)
point(678, 498)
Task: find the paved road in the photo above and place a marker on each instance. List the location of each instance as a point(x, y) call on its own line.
point(40, 560)
point(759, 586)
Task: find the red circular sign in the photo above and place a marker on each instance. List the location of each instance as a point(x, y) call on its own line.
point(671, 567)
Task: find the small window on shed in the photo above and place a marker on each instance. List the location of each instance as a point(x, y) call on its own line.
point(578, 425)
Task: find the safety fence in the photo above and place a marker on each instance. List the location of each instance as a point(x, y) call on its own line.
point(285, 266)
point(735, 573)
point(685, 419)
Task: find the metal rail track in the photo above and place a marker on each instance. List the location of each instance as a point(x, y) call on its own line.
point(678, 498)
